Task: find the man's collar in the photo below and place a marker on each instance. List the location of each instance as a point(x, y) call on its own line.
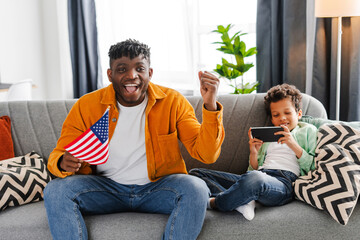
point(155, 91)
point(109, 96)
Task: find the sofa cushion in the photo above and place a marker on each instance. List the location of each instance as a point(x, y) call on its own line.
point(318, 122)
point(22, 180)
point(295, 221)
point(6, 146)
point(334, 185)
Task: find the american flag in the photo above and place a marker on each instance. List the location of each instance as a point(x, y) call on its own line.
point(93, 145)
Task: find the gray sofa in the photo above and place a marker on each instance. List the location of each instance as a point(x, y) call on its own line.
point(36, 125)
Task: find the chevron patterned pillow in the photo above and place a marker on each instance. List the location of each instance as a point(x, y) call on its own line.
point(334, 185)
point(22, 180)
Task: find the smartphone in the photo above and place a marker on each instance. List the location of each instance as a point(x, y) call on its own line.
point(266, 134)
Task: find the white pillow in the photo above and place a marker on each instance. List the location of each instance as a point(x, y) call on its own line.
point(22, 180)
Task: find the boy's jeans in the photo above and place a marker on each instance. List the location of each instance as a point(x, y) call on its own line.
point(269, 187)
point(182, 196)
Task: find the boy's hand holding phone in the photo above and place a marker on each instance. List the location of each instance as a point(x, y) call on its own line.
point(286, 136)
point(254, 143)
point(288, 139)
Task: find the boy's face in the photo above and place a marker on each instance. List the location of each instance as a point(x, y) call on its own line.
point(130, 79)
point(283, 113)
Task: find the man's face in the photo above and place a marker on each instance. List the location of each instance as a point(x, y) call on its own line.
point(130, 79)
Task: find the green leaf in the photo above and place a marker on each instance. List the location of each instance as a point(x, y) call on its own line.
point(225, 71)
point(251, 87)
point(222, 48)
point(224, 61)
point(239, 60)
point(225, 38)
point(230, 65)
point(218, 43)
point(228, 27)
point(235, 35)
point(225, 50)
point(237, 45)
point(219, 70)
point(242, 48)
point(221, 28)
point(250, 52)
point(244, 68)
point(235, 74)
point(237, 48)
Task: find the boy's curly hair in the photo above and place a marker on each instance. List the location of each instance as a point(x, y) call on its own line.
point(280, 92)
point(130, 48)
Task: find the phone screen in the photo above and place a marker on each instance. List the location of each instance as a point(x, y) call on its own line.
point(266, 134)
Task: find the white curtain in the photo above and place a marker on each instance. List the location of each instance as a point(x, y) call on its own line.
point(178, 33)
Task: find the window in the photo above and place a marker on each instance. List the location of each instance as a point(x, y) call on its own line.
point(178, 33)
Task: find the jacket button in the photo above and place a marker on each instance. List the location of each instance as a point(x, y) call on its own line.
point(114, 119)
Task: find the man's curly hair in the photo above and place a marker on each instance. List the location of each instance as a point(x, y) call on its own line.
point(129, 48)
point(280, 92)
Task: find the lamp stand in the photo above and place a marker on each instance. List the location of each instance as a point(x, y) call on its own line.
point(338, 70)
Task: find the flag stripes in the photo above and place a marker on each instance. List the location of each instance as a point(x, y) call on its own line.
point(92, 145)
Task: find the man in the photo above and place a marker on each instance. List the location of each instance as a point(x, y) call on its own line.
point(145, 171)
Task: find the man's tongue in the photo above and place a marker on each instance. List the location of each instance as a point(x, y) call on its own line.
point(130, 89)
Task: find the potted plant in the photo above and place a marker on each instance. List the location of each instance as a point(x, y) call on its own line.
point(232, 71)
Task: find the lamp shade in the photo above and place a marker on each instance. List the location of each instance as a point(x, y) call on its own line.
point(337, 8)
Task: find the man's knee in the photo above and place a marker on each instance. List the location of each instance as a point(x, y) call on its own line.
point(51, 190)
point(57, 187)
point(195, 188)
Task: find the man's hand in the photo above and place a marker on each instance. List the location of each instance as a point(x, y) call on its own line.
point(69, 163)
point(209, 85)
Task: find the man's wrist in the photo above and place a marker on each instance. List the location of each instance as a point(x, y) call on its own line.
point(58, 164)
point(212, 107)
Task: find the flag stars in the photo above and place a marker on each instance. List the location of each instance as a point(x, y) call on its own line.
point(81, 147)
point(101, 127)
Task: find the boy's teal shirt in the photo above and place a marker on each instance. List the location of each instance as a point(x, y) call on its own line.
point(305, 135)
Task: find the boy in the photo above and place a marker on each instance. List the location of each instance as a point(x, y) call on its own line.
point(274, 165)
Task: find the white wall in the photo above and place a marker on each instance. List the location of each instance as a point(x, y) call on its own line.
point(33, 44)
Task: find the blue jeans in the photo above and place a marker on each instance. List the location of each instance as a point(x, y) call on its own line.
point(269, 187)
point(182, 196)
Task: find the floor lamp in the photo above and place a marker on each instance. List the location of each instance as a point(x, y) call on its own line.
point(339, 9)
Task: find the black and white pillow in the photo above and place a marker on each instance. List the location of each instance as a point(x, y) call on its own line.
point(22, 180)
point(335, 184)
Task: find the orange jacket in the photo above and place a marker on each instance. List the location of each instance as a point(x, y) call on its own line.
point(169, 117)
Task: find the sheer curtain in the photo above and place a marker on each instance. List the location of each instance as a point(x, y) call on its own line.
point(178, 32)
point(160, 24)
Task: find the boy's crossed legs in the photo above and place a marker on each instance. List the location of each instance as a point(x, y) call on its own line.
point(239, 192)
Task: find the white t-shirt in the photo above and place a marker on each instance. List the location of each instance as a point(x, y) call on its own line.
point(127, 162)
point(280, 156)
